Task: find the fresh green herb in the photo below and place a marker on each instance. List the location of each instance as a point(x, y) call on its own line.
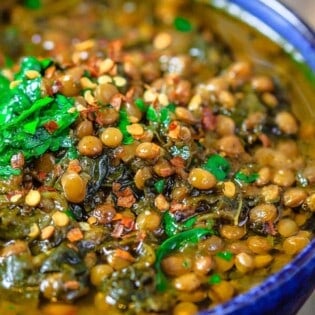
point(31, 123)
point(8, 62)
point(159, 185)
point(165, 114)
point(214, 279)
point(152, 114)
point(122, 125)
point(240, 176)
point(218, 166)
point(226, 255)
point(183, 152)
point(70, 214)
point(141, 105)
point(172, 227)
point(182, 24)
point(174, 243)
point(33, 4)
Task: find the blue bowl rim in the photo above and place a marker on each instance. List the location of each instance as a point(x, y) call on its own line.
point(290, 26)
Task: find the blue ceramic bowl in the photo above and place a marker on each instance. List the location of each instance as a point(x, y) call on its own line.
point(286, 291)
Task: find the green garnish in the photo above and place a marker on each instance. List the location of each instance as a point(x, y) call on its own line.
point(250, 178)
point(218, 166)
point(33, 4)
point(172, 227)
point(122, 125)
point(174, 243)
point(226, 255)
point(141, 105)
point(152, 114)
point(182, 24)
point(70, 214)
point(159, 185)
point(31, 123)
point(214, 279)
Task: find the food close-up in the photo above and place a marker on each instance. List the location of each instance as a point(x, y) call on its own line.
point(156, 157)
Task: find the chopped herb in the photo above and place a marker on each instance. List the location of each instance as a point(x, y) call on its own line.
point(218, 166)
point(159, 185)
point(226, 255)
point(152, 114)
point(182, 24)
point(172, 227)
point(70, 214)
point(24, 114)
point(33, 4)
point(8, 62)
point(214, 279)
point(183, 152)
point(174, 243)
point(141, 105)
point(240, 176)
point(122, 125)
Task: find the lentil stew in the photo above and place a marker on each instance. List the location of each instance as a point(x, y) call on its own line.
point(149, 164)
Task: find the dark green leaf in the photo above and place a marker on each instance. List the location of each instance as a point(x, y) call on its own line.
point(159, 185)
point(174, 243)
point(218, 166)
point(226, 255)
point(122, 125)
point(240, 176)
point(152, 114)
point(141, 105)
point(215, 279)
point(182, 24)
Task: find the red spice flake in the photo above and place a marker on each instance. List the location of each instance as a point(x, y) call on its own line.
point(208, 119)
point(116, 101)
point(41, 175)
point(115, 50)
point(125, 196)
point(75, 235)
point(264, 140)
point(124, 255)
point(126, 221)
point(74, 166)
point(173, 125)
point(92, 67)
point(46, 188)
point(72, 285)
point(118, 231)
point(51, 126)
point(270, 228)
point(178, 161)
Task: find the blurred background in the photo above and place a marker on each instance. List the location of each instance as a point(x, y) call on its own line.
point(306, 10)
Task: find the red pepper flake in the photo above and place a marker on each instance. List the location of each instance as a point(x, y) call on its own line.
point(173, 125)
point(74, 166)
point(264, 140)
point(208, 119)
point(41, 175)
point(178, 161)
point(270, 228)
point(118, 231)
point(125, 196)
point(115, 50)
point(51, 126)
point(46, 188)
